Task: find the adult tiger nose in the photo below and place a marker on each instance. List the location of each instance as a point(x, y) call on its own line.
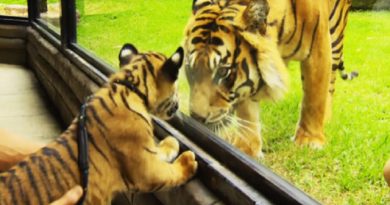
point(198, 117)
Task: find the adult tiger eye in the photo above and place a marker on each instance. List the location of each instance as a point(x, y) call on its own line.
point(232, 96)
point(224, 72)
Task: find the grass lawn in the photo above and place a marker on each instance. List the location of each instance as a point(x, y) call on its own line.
point(349, 169)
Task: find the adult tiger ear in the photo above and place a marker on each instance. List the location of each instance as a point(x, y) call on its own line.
point(126, 53)
point(198, 4)
point(193, 6)
point(255, 16)
point(172, 65)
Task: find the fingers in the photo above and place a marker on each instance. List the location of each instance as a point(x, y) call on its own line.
point(71, 197)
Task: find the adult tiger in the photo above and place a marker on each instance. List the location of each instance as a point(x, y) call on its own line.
point(123, 154)
point(236, 52)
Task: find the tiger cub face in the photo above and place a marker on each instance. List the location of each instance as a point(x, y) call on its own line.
point(154, 76)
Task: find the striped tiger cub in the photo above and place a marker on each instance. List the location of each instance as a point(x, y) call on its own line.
point(123, 155)
point(236, 53)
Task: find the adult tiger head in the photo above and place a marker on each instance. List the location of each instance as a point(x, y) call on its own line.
point(152, 75)
point(229, 58)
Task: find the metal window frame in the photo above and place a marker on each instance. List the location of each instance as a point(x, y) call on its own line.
point(13, 20)
point(271, 186)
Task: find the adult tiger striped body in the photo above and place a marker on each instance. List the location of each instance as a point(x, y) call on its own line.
point(236, 54)
point(123, 155)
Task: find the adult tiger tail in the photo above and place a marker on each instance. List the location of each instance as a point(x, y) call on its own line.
point(236, 53)
point(123, 155)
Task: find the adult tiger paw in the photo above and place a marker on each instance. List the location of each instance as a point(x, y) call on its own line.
point(253, 149)
point(303, 138)
point(187, 163)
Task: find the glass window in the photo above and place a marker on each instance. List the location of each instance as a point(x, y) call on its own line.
point(348, 170)
point(14, 8)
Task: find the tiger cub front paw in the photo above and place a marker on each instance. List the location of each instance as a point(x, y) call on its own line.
point(187, 163)
point(169, 148)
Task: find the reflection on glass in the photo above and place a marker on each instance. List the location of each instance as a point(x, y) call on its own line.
point(14, 8)
point(50, 12)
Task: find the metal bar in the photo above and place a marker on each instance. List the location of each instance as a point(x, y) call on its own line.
point(46, 27)
point(47, 33)
point(13, 20)
point(33, 10)
point(68, 22)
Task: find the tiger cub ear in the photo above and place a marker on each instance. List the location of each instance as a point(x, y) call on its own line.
point(126, 53)
point(255, 16)
point(171, 67)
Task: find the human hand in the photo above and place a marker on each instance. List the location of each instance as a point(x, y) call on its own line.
point(12, 151)
point(70, 198)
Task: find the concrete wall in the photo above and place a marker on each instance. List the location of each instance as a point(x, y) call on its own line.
point(13, 44)
point(66, 84)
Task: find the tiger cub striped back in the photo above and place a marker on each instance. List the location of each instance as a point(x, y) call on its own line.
point(123, 155)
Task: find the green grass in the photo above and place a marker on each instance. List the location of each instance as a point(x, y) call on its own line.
point(20, 2)
point(23, 2)
point(150, 25)
point(349, 169)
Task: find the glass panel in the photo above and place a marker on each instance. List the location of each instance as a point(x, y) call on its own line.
point(238, 63)
point(14, 8)
point(50, 12)
point(348, 170)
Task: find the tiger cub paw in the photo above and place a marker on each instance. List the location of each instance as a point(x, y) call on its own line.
point(169, 148)
point(303, 138)
point(187, 163)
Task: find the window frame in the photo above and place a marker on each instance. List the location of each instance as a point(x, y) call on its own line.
point(259, 177)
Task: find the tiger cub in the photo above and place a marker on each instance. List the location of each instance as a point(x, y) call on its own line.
point(123, 155)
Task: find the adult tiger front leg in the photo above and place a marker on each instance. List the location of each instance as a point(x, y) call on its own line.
point(249, 140)
point(316, 74)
